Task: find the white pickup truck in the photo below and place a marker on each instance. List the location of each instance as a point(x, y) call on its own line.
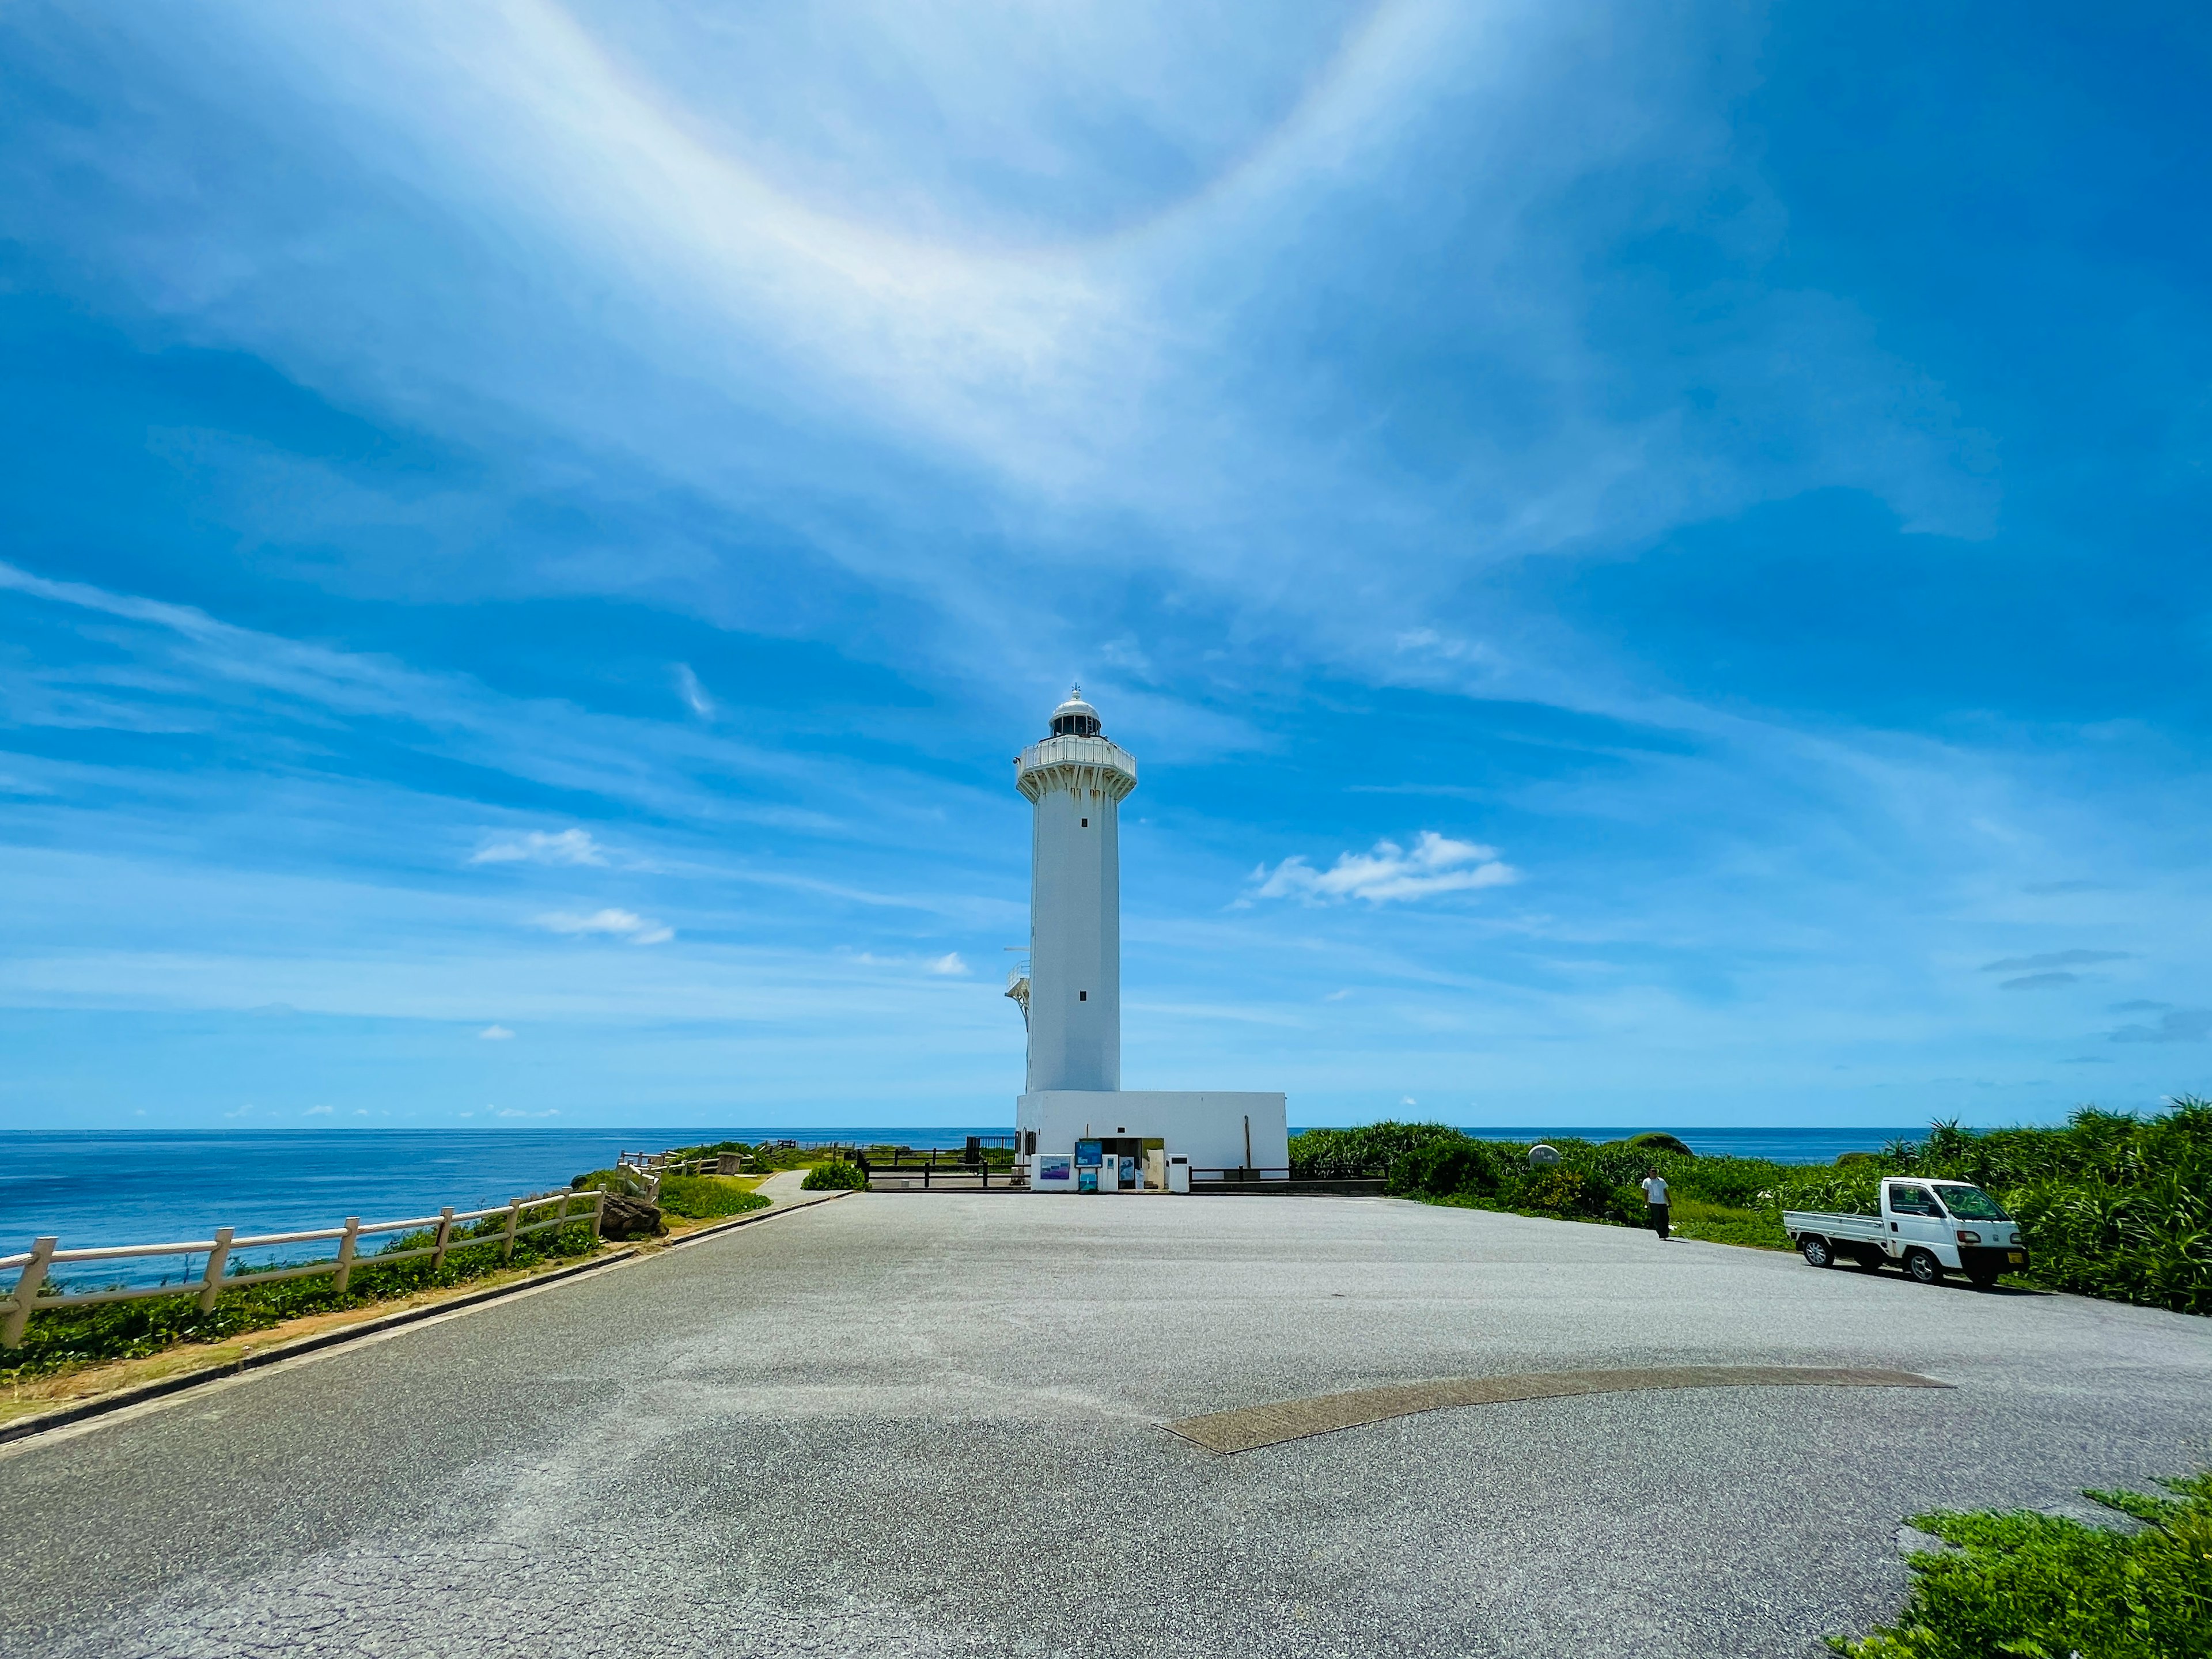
point(1928, 1227)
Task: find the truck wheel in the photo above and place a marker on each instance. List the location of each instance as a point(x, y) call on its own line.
point(1924, 1268)
point(1982, 1278)
point(1816, 1251)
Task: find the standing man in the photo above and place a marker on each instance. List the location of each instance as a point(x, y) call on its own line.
point(1655, 1197)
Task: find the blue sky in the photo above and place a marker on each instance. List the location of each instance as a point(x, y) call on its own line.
point(1653, 557)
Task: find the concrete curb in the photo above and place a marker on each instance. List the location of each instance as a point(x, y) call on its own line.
point(24, 1427)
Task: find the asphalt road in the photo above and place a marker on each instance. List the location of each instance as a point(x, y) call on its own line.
point(929, 1425)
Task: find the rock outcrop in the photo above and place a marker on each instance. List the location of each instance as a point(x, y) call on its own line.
point(624, 1217)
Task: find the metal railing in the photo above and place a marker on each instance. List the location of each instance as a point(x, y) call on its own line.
point(1102, 753)
point(1367, 1182)
point(17, 1307)
point(949, 1173)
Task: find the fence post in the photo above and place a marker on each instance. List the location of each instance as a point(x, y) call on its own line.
point(598, 1212)
point(27, 1290)
point(347, 1246)
point(444, 1237)
point(211, 1286)
point(514, 1217)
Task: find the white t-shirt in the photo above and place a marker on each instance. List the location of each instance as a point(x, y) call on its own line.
point(1655, 1189)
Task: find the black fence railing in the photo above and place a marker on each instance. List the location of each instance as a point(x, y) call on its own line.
point(1292, 1182)
point(925, 1175)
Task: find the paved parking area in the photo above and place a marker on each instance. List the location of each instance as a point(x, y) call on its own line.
point(931, 1425)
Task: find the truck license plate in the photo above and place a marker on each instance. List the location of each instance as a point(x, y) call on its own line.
point(2014, 1258)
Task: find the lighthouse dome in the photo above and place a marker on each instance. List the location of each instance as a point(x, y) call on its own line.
point(1075, 718)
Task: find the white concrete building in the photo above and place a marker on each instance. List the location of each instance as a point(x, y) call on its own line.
point(1071, 991)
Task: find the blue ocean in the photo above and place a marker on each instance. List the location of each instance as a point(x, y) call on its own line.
point(93, 1187)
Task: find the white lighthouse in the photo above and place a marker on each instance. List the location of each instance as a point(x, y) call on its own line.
point(1073, 1106)
point(1076, 781)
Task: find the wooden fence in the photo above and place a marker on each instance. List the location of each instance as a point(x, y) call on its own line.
point(654, 1165)
point(16, 1308)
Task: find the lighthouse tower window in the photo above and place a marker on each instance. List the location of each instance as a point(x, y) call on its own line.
point(1086, 824)
point(1083, 996)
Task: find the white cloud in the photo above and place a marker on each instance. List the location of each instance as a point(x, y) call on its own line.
point(694, 694)
point(516, 1111)
point(950, 963)
point(615, 924)
point(316, 1111)
point(495, 1033)
point(537, 846)
point(1435, 865)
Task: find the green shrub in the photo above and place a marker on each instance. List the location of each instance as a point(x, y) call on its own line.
point(2111, 1204)
point(834, 1177)
point(1562, 1190)
point(1658, 1141)
point(1853, 1191)
point(1441, 1170)
point(1337, 1154)
point(2026, 1583)
point(627, 1181)
point(701, 1198)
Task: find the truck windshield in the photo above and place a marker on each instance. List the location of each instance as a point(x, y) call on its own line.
point(1972, 1204)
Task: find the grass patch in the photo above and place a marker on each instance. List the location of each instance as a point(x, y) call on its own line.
point(838, 1176)
point(1726, 1223)
point(60, 1339)
point(765, 1158)
point(2038, 1584)
point(707, 1198)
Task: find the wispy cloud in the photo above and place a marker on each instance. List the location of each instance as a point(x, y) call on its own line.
point(1387, 873)
point(495, 1033)
point(950, 965)
point(696, 440)
point(564, 847)
point(2178, 1025)
point(2055, 959)
point(609, 923)
point(694, 694)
